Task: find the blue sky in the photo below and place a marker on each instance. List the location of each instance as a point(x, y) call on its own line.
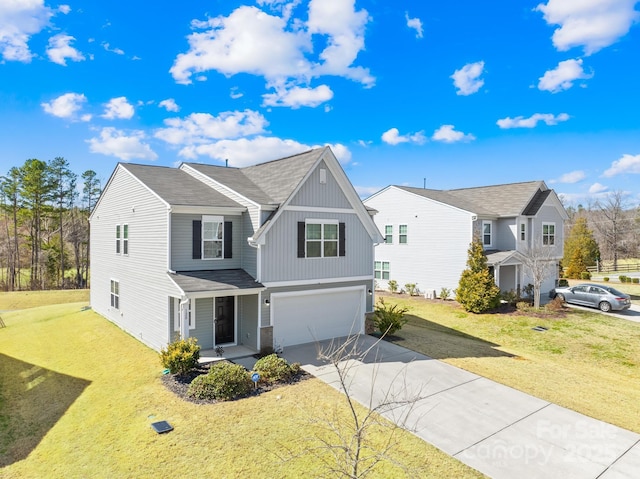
point(447, 94)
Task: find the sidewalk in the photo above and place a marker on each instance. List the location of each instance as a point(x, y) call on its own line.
point(497, 430)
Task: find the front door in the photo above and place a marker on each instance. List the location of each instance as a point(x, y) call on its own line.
point(225, 320)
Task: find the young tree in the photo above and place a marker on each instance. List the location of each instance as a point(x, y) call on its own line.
point(10, 191)
point(539, 261)
point(63, 183)
point(90, 193)
point(580, 249)
point(477, 291)
point(613, 224)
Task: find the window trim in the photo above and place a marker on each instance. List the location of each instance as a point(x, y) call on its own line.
point(548, 235)
point(323, 241)
point(389, 234)
point(114, 294)
point(379, 272)
point(522, 234)
point(125, 239)
point(191, 309)
point(490, 224)
point(118, 235)
point(220, 221)
point(405, 234)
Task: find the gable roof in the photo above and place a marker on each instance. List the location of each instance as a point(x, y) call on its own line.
point(513, 199)
point(176, 187)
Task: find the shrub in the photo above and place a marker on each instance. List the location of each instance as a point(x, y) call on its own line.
point(563, 283)
point(523, 305)
point(477, 291)
point(556, 304)
point(393, 285)
point(635, 280)
point(509, 297)
point(273, 369)
point(223, 382)
point(389, 318)
point(411, 288)
point(528, 290)
point(606, 279)
point(445, 293)
point(622, 278)
point(585, 275)
point(181, 356)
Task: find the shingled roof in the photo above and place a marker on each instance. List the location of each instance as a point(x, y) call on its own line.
point(506, 200)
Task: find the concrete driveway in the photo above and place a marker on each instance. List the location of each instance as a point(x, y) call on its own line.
point(497, 430)
point(631, 314)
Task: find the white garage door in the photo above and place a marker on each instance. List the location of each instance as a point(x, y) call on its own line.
point(303, 317)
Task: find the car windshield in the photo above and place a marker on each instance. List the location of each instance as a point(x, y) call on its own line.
point(614, 291)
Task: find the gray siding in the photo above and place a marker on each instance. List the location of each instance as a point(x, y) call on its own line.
point(181, 245)
point(505, 234)
point(279, 254)
point(204, 323)
point(314, 193)
point(144, 285)
point(549, 214)
point(249, 253)
point(248, 325)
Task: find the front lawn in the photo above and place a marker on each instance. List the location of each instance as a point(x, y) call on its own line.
point(585, 361)
point(78, 396)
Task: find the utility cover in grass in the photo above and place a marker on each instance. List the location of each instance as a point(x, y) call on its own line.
point(161, 427)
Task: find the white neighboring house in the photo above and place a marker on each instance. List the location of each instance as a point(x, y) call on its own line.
point(270, 255)
point(428, 232)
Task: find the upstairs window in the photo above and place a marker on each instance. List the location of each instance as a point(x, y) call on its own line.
point(212, 237)
point(487, 235)
point(115, 294)
point(125, 239)
point(388, 234)
point(381, 270)
point(402, 234)
point(321, 239)
point(548, 234)
point(523, 232)
point(117, 239)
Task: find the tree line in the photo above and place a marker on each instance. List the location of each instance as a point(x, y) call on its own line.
point(44, 237)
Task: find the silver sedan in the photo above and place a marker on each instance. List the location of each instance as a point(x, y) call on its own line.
point(598, 296)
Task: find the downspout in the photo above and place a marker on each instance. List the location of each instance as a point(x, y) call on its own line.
point(169, 238)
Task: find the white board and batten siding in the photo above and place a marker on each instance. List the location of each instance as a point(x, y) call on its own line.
point(438, 238)
point(142, 274)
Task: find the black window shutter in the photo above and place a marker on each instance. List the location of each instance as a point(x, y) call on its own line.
point(301, 239)
point(341, 239)
point(228, 239)
point(197, 240)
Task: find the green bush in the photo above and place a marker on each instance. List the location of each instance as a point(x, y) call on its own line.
point(523, 306)
point(389, 318)
point(224, 381)
point(410, 288)
point(635, 280)
point(528, 291)
point(445, 293)
point(509, 297)
point(585, 275)
point(563, 283)
point(181, 356)
point(477, 291)
point(393, 285)
point(273, 369)
point(606, 279)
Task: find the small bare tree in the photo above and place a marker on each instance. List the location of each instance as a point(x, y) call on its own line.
point(343, 441)
point(540, 262)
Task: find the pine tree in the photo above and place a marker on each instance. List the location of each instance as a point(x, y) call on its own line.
point(477, 291)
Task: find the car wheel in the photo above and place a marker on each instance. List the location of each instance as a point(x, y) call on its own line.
point(560, 296)
point(604, 307)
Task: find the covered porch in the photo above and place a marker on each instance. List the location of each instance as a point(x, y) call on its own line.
point(507, 269)
point(220, 309)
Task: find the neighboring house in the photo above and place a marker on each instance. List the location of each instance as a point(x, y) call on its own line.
point(428, 233)
point(270, 255)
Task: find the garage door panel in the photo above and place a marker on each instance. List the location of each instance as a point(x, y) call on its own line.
point(317, 315)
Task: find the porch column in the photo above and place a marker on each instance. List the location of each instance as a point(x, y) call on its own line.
point(184, 318)
point(496, 270)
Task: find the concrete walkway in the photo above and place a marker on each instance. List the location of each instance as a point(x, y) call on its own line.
point(497, 430)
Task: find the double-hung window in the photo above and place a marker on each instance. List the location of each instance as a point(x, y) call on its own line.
point(125, 239)
point(402, 234)
point(118, 236)
point(322, 239)
point(548, 234)
point(523, 232)
point(115, 294)
point(212, 237)
point(487, 236)
point(388, 234)
point(381, 270)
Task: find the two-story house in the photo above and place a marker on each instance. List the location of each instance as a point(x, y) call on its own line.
point(428, 232)
point(270, 255)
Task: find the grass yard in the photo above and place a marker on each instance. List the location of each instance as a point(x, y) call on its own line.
point(586, 361)
point(13, 300)
point(78, 395)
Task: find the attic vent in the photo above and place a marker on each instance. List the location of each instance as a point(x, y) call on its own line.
point(323, 176)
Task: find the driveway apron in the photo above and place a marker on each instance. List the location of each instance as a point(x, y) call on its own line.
point(501, 432)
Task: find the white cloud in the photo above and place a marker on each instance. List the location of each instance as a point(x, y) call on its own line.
point(532, 121)
point(628, 164)
point(296, 97)
point(107, 47)
point(591, 24)
point(66, 106)
point(169, 104)
point(125, 146)
point(448, 134)
point(572, 177)
point(118, 108)
point(562, 77)
point(19, 20)
point(342, 153)
point(393, 137)
point(414, 23)
point(200, 128)
point(597, 188)
point(60, 49)
point(467, 80)
point(252, 41)
point(235, 94)
point(65, 9)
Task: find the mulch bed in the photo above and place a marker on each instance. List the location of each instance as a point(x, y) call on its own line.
point(180, 384)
